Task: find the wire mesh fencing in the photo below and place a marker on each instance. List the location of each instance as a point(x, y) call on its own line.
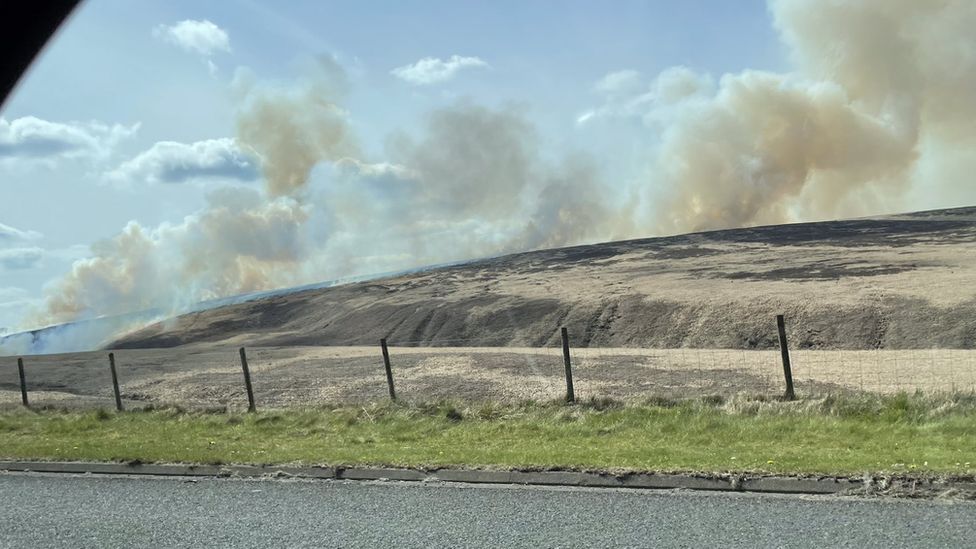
point(211, 376)
point(886, 371)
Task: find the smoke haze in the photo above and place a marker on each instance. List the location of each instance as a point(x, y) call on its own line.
point(879, 107)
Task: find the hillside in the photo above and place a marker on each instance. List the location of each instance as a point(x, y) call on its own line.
point(902, 281)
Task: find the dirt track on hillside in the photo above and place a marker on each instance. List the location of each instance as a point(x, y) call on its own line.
point(210, 376)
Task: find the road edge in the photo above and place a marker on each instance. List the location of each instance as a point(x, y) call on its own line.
point(665, 481)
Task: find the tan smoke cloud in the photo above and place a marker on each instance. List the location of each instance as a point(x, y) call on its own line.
point(472, 160)
point(239, 244)
point(481, 164)
point(570, 209)
point(877, 83)
point(243, 241)
point(292, 130)
point(764, 144)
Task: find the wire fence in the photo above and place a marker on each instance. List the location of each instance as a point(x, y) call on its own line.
point(211, 376)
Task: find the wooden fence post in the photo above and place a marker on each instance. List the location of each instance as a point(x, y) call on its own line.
point(389, 370)
point(115, 382)
point(247, 383)
point(570, 393)
point(784, 350)
point(23, 380)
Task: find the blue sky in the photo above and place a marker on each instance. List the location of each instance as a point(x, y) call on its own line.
point(124, 168)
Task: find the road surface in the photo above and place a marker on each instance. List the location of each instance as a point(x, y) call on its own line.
point(104, 512)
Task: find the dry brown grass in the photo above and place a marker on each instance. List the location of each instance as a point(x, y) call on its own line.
point(207, 375)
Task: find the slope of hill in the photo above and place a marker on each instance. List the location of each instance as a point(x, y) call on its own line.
point(902, 281)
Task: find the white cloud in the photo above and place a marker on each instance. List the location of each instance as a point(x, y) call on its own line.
point(430, 70)
point(391, 181)
point(583, 118)
point(173, 162)
point(678, 83)
point(626, 81)
point(16, 259)
point(11, 293)
point(11, 234)
point(30, 138)
point(625, 95)
point(71, 253)
point(13, 299)
point(202, 37)
point(353, 166)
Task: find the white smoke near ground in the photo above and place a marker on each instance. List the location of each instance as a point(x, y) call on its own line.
point(878, 110)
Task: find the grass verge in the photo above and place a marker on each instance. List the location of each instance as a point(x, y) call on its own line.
point(904, 434)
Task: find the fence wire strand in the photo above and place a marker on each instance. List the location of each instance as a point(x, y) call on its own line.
point(468, 370)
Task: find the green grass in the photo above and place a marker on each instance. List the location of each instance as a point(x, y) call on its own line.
point(903, 434)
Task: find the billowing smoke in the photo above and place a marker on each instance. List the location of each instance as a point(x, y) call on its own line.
point(472, 185)
point(292, 130)
point(481, 166)
point(243, 241)
point(878, 110)
point(883, 91)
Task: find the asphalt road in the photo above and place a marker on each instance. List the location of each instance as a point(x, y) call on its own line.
point(39, 511)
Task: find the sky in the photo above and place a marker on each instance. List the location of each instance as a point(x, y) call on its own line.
point(161, 153)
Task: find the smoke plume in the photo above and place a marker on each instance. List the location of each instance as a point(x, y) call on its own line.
point(244, 240)
point(878, 110)
point(877, 84)
point(471, 185)
point(290, 131)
